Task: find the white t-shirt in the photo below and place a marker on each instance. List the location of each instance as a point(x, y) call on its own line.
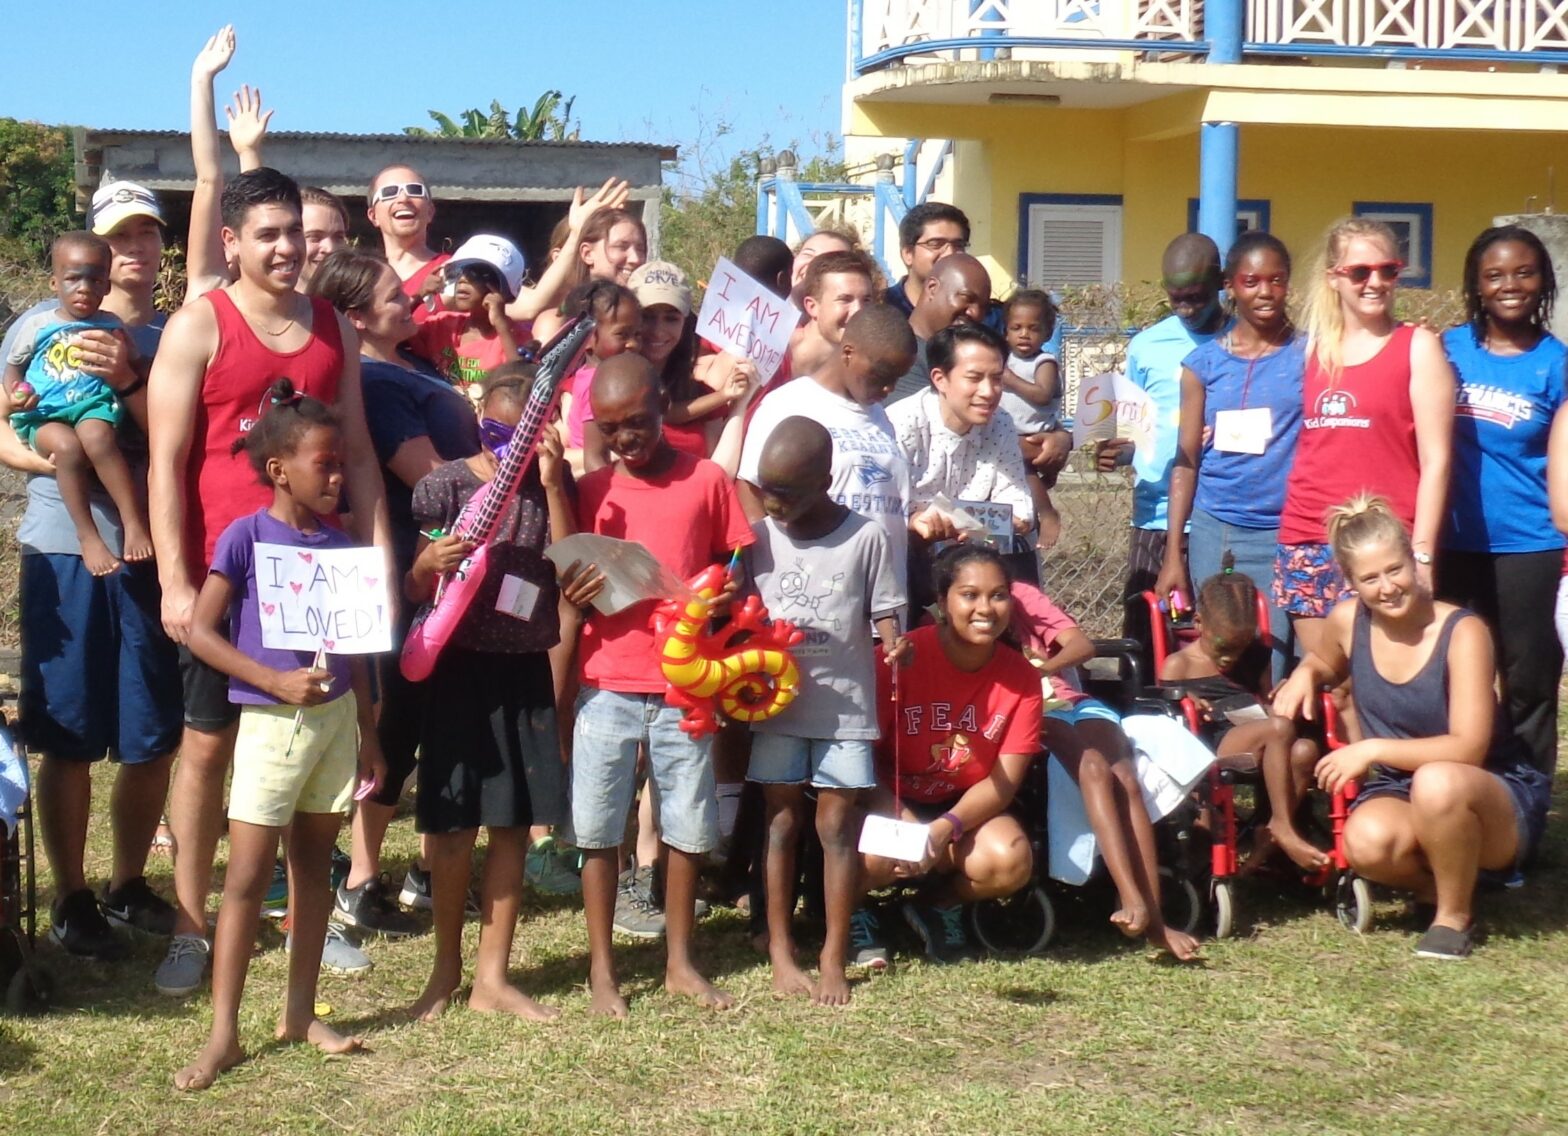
point(1027, 417)
point(984, 464)
point(870, 477)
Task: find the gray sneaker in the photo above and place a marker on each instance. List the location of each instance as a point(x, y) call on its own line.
point(635, 914)
point(180, 973)
point(865, 938)
point(339, 955)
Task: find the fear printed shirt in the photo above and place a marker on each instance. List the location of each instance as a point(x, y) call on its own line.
point(943, 728)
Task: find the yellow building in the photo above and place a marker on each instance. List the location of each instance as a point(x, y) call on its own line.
point(1080, 135)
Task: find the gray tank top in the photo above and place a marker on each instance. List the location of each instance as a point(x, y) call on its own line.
point(1414, 709)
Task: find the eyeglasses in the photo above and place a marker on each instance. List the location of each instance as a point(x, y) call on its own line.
point(937, 244)
point(393, 189)
point(1387, 272)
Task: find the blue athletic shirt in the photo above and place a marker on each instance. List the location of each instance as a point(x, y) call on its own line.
point(1497, 501)
point(1248, 490)
point(1154, 359)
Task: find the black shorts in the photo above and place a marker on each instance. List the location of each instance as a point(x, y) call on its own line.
point(489, 748)
point(207, 705)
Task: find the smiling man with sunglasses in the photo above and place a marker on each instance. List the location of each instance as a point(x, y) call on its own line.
point(400, 205)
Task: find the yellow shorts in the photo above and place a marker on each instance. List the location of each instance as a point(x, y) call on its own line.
point(274, 779)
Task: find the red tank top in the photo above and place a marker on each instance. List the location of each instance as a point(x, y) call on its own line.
point(1358, 433)
point(226, 487)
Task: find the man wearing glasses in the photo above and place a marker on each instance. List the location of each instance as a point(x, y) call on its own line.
point(401, 208)
point(926, 234)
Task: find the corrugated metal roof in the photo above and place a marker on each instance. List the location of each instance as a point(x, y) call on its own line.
point(112, 134)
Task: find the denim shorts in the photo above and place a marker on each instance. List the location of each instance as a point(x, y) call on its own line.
point(1085, 708)
point(778, 759)
point(610, 727)
point(1307, 581)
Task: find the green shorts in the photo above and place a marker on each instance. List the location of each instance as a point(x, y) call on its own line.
point(103, 406)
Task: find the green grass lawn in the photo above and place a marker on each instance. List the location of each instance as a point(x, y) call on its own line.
point(1296, 1026)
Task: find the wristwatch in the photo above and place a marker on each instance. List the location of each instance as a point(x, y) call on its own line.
point(1423, 557)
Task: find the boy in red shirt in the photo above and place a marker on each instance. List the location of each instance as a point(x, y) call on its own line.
point(684, 510)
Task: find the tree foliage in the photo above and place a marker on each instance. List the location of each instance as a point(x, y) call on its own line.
point(37, 191)
point(549, 119)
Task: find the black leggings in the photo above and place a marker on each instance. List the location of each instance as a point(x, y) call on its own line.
point(1516, 593)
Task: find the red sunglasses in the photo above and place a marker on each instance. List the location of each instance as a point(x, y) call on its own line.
point(1387, 272)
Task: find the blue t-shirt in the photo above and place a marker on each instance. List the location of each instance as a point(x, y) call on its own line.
point(1154, 359)
point(1497, 501)
point(234, 559)
point(43, 347)
point(402, 404)
point(1248, 490)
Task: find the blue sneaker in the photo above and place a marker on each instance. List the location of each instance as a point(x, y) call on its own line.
point(275, 904)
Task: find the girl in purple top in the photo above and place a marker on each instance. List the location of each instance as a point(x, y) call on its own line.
point(301, 732)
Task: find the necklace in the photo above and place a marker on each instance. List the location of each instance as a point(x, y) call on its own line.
point(280, 331)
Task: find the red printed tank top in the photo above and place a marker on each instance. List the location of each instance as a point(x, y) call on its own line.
point(1358, 433)
point(226, 487)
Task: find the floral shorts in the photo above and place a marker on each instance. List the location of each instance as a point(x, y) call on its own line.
point(1307, 580)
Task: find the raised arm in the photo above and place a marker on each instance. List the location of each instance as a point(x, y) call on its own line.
point(187, 347)
point(205, 266)
point(533, 302)
point(1432, 392)
point(1184, 484)
point(247, 126)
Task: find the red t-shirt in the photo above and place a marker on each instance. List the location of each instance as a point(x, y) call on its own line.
point(242, 369)
point(464, 362)
point(952, 725)
point(689, 517)
point(414, 283)
point(1356, 433)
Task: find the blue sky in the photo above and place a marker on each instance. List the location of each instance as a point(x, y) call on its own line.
point(658, 70)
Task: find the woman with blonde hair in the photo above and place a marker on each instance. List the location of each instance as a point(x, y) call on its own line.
point(1446, 792)
point(1378, 414)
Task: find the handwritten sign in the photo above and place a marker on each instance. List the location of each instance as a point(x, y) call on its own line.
point(334, 599)
point(1113, 406)
point(742, 317)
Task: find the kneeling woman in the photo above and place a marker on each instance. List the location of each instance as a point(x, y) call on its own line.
point(1444, 794)
point(960, 725)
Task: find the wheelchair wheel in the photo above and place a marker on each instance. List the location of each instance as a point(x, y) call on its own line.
point(29, 992)
point(1224, 909)
point(1353, 902)
point(1180, 903)
point(1019, 924)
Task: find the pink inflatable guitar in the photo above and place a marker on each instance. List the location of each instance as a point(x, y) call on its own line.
point(433, 627)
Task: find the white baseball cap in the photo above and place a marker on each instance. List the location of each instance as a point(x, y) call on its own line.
point(660, 282)
point(497, 252)
point(119, 201)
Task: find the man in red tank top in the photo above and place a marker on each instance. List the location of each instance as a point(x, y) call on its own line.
point(401, 207)
point(219, 356)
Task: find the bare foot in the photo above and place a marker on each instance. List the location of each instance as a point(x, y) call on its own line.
point(433, 1002)
point(1131, 919)
point(832, 986)
point(1180, 944)
point(137, 543)
point(508, 999)
point(604, 998)
point(1263, 848)
point(209, 1064)
point(788, 978)
point(322, 1036)
point(96, 555)
point(693, 985)
point(1306, 856)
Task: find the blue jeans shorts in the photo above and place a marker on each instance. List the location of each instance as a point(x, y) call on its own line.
point(778, 759)
point(1083, 709)
point(610, 727)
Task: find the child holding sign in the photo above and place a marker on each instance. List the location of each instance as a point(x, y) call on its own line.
point(489, 752)
point(302, 730)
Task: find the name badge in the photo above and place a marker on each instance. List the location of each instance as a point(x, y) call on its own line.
point(517, 597)
point(893, 839)
point(1243, 431)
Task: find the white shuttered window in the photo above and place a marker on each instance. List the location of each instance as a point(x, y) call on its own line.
point(1073, 244)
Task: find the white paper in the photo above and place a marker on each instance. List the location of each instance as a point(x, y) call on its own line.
point(960, 518)
point(517, 597)
point(996, 516)
point(1243, 431)
point(1113, 406)
point(742, 317)
point(1243, 714)
point(894, 839)
point(332, 599)
point(631, 574)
